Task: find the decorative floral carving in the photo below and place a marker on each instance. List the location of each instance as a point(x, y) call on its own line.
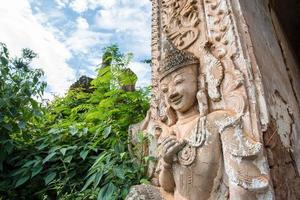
point(220, 28)
point(241, 150)
point(180, 20)
point(214, 75)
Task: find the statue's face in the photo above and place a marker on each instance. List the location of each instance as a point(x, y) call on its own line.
point(180, 88)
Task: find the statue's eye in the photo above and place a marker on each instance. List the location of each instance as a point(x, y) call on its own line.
point(164, 89)
point(178, 81)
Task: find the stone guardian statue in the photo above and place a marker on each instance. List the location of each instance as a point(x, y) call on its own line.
point(202, 154)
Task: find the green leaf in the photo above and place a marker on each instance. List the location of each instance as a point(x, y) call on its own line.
point(144, 181)
point(63, 151)
point(68, 159)
point(100, 159)
point(83, 154)
point(19, 171)
point(49, 157)
point(122, 155)
point(49, 177)
point(89, 182)
point(22, 181)
point(4, 61)
point(149, 158)
point(73, 130)
point(36, 170)
point(42, 146)
point(85, 131)
point(106, 192)
point(98, 179)
point(53, 149)
point(96, 133)
point(119, 173)
point(22, 125)
point(9, 147)
point(72, 147)
point(106, 132)
point(27, 164)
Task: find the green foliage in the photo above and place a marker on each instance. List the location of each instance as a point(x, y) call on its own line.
point(79, 149)
point(20, 86)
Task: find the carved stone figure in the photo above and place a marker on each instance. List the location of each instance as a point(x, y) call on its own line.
point(191, 154)
point(193, 143)
point(203, 124)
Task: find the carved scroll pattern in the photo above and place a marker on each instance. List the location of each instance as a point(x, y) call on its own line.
point(180, 20)
point(223, 43)
point(221, 47)
point(222, 51)
point(228, 91)
point(155, 44)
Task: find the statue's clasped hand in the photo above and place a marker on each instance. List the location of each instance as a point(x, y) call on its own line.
point(170, 146)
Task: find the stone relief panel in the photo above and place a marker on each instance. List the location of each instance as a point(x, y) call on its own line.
point(179, 22)
point(202, 125)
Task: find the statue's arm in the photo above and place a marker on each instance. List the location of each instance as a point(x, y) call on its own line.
point(170, 147)
point(166, 178)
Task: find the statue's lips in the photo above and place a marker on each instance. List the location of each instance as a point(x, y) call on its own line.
point(177, 100)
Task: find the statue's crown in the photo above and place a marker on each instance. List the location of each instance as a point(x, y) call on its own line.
point(173, 59)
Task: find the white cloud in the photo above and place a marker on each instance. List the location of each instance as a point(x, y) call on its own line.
point(124, 17)
point(81, 6)
point(143, 71)
point(82, 23)
point(131, 22)
point(62, 3)
point(82, 39)
point(93, 4)
point(20, 29)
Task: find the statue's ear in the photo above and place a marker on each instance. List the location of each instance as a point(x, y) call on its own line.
point(214, 71)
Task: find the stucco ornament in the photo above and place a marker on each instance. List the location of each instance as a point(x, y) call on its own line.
point(180, 20)
point(203, 125)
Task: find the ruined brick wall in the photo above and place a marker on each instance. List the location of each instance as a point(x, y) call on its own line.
point(281, 82)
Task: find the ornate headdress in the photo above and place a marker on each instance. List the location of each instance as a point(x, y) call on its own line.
point(174, 59)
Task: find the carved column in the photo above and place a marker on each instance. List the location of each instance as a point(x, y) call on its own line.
point(210, 30)
point(225, 139)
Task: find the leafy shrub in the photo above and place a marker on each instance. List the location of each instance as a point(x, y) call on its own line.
point(20, 87)
point(80, 150)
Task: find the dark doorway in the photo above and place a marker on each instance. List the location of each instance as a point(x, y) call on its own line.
point(288, 13)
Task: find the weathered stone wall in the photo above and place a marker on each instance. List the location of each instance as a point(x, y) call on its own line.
point(281, 82)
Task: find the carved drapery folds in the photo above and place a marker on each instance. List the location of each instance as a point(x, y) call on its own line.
point(227, 111)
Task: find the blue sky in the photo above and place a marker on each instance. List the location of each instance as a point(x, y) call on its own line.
point(69, 35)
